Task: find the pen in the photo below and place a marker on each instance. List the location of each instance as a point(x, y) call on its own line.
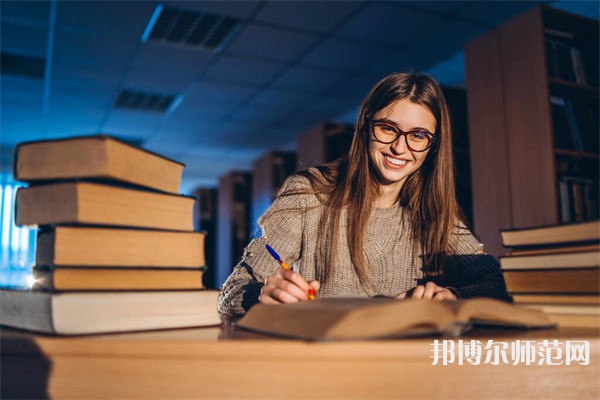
point(311, 291)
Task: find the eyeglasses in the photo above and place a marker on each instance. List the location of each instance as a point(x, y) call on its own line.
point(386, 131)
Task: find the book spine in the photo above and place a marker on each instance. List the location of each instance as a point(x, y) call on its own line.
point(574, 125)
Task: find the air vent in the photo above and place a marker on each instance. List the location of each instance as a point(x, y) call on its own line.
point(15, 64)
point(188, 28)
point(135, 100)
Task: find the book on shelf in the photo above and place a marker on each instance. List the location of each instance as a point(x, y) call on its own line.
point(95, 157)
point(578, 199)
point(557, 280)
point(584, 116)
point(121, 247)
point(564, 58)
point(100, 204)
point(563, 134)
point(556, 260)
point(371, 318)
point(77, 313)
point(551, 234)
point(72, 278)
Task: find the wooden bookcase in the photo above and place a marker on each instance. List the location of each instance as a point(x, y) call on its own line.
point(233, 221)
point(268, 174)
point(516, 168)
point(323, 143)
point(205, 219)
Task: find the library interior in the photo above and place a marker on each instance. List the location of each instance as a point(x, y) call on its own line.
point(142, 141)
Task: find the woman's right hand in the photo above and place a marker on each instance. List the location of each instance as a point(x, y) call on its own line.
point(286, 286)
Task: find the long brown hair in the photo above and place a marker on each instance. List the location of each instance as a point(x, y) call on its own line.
point(352, 182)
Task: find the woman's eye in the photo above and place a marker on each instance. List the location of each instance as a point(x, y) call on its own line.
point(418, 135)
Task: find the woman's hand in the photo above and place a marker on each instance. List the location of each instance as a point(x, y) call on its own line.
point(286, 286)
point(428, 291)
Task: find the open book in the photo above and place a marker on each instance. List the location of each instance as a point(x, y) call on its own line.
point(367, 318)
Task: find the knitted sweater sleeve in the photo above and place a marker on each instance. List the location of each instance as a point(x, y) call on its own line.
point(282, 227)
point(472, 273)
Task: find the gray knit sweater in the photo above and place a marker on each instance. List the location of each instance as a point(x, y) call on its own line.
point(291, 227)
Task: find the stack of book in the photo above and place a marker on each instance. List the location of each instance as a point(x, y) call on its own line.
point(116, 249)
point(556, 269)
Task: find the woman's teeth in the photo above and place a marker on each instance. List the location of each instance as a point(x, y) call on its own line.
point(394, 161)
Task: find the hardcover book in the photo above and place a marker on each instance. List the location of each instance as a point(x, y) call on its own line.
point(100, 204)
point(69, 279)
point(97, 157)
point(371, 318)
point(119, 247)
point(80, 313)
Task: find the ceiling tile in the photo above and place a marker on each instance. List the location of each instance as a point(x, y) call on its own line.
point(207, 111)
point(89, 50)
point(164, 68)
point(110, 19)
point(270, 43)
point(316, 16)
point(342, 55)
point(439, 7)
point(387, 24)
point(32, 13)
point(496, 12)
point(354, 89)
point(242, 71)
point(22, 39)
point(237, 9)
point(310, 80)
point(27, 92)
point(280, 102)
point(437, 41)
point(405, 60)
point(132, 122)
point(202, 92)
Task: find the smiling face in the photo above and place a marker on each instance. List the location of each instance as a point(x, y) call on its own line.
point(394, 162)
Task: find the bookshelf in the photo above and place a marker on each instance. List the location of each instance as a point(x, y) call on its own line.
point(533, 123)
point(205, 219)
point(323, 143)
point(456, 98)
point(268, 174)
point(233, 221)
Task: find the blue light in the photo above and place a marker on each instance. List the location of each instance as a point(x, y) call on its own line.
point(178, 99)
point(152, 22)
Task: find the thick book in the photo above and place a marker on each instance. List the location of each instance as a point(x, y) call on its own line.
point(563, 280)
point(557, 260)
point(95, 157)
point(102, 312)
point(101, 204)
point(68, 279)
point(551, 234)
point(557, 298)
point(114, 247)
point(371, 318)
point(556, 249)
point(569, 309)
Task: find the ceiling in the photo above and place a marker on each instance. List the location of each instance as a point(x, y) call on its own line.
point(282, 67)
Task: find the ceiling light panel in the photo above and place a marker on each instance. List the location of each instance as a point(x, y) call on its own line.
point(191, 28)
point(144, 101)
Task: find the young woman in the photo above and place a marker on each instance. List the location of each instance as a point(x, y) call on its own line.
point(383, 221)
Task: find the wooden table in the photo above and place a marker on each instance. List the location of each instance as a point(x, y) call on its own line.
point(205, 363)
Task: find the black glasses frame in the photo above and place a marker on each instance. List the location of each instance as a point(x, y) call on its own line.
point(431, 138)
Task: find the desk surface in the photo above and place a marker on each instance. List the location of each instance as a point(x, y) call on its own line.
point(208, 363)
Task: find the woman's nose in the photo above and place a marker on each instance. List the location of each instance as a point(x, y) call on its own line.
point(400, 145)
